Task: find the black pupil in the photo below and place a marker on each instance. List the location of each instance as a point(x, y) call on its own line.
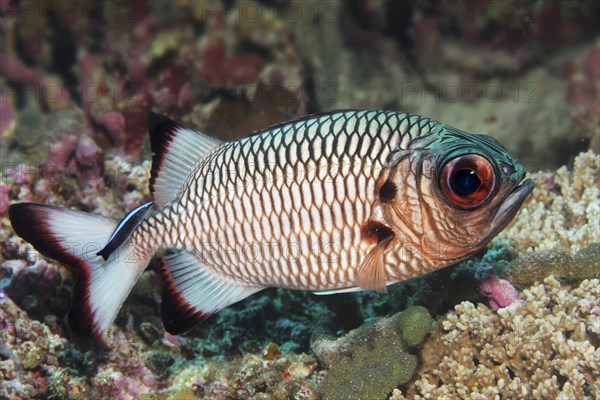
point(466, 182)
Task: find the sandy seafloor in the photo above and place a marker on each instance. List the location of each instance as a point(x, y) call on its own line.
point(518, 320)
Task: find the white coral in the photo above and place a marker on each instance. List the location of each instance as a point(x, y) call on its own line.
point(539, 348)
point(567, 218)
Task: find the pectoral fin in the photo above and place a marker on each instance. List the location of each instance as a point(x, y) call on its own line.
point(371, 272)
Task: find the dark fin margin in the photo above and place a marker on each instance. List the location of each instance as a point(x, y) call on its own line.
point(162, 132)
point(30, 221)
point(177, 314)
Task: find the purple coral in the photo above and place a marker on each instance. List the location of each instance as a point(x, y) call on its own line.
point(500, 292)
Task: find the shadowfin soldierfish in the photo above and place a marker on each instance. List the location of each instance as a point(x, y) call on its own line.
point(335, 202)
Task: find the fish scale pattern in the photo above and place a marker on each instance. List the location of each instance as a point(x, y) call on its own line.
point(284, 207)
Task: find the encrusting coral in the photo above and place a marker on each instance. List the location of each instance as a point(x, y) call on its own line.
point(544, 347)
point(370, 361)
point(563, 264)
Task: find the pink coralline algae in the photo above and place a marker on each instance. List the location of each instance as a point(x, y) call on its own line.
point(500, 292)
point(173, 92)
point(114, 122)
point(220, 70)
point(89, 159)
point(15, 69)
point(4, 189)
point(80, 157)
point(59, 155)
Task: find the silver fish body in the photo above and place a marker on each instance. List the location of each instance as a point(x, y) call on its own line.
point(285, 207)
point(335, 202)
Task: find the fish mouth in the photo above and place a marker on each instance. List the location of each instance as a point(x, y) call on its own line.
point(511, 205)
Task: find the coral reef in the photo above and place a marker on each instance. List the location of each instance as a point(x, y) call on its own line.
point(198, 61)
point(262, 376)
point(474, 65)
point(470, 41)
point(564, 209)
point(38, 363)
point(77, 81)
point(31, 353)
point(545, 347)
point(369, 362)
point(117, 61)
point(27, 144)
point(292, 319)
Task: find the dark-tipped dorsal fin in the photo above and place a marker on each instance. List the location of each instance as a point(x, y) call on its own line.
point(176, 150)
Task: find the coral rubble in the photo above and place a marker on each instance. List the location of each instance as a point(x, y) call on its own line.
point(37, 363)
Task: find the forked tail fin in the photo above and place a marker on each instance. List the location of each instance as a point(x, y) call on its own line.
point(74, 238)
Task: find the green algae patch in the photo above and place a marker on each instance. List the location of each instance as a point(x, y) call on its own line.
point(369, 362)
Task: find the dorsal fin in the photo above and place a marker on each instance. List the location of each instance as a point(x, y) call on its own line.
point(176, 150)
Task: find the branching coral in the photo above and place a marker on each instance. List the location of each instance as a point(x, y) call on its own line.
point(545, 347)
point(564, 210)
point(31, 357)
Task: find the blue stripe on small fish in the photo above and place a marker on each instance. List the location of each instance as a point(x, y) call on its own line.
point(124, 229)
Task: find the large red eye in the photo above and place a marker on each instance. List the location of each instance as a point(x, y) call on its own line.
point(467, 181)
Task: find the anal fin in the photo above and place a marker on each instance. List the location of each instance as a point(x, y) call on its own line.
point(192, 292)
point(371, 272)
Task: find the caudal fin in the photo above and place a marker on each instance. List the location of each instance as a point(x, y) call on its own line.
point(74, 238)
